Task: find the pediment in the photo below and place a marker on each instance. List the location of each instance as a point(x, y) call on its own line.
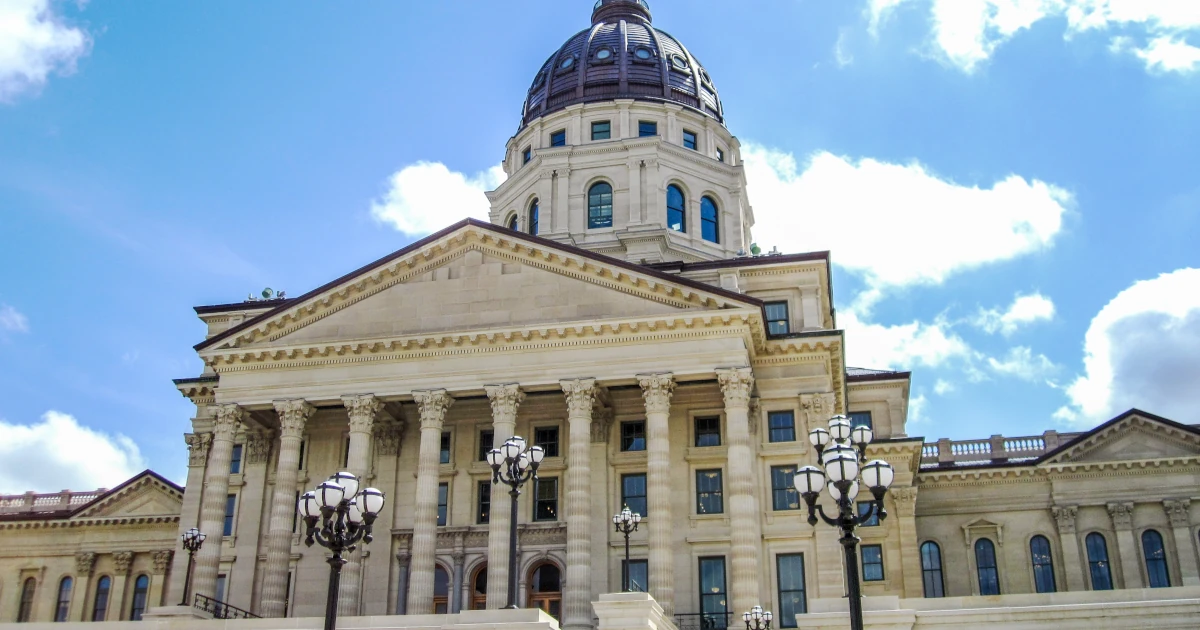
point(1130, 438)
point(142, 496)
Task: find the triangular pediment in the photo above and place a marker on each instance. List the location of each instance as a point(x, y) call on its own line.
point(1130, 437)
point(146, 495)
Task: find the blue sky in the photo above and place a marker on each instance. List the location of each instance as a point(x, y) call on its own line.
point(1009, 189)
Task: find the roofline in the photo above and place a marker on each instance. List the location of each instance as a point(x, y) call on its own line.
point(1133, 411)
point(419, 244)
point(887, 376)
point(749, 261)
point(239, 306)
point(62, 514)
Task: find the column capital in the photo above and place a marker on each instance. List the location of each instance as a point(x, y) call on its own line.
point(1064, 516)
point(198, 445)
point(85, 561)
point(505, 399)
point(433, 404)
point(362, 409)
point(1122, 515)
point(403, 557)
point(293, 414)
point(906, 500)
point(162, 560)
point(226, 420)
point(736, 384)
point(581, 395)
point(122, 560)
point(258, 447)
point(657, 390)
point(1177, 511)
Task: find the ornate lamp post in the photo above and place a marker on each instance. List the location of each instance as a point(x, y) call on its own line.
point(758, 619)
point(193, 539)
point(626, 523)
point(842, 451)
point(344, 515)
point(513, 465)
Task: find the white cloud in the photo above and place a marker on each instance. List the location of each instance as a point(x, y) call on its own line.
point(34, 43)
point(425, 197)
point(943, 387)
point(1022, 363)
point(916, 409)
point(1025, 309)
point(1169, 54)
point(899, 347)
point(1142, 350)
point(841, 53)
point(58, 453)
point(13, 320)
point(896, 224)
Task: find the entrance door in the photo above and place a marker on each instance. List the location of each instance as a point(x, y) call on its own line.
point(545, 590)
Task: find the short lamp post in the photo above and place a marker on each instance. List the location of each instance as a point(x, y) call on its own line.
point(513, 464)
point(758, 619)
point(842, 451)
point(193, 539)
point(338, 515)
point(626, 523)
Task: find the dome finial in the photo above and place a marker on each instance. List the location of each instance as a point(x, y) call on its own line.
point(613, 10)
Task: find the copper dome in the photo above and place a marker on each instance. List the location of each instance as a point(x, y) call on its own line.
point(621, 56)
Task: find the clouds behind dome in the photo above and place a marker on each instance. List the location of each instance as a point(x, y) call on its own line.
point(426, 196)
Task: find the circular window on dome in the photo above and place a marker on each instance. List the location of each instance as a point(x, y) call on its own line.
point(566, 63)
point(541, 78)
point(604, 54)
point(679, 63)
point(642, 53)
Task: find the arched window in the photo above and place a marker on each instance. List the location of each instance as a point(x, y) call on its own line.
point(676, 209)
point(545, 589)
point(140, 588)
point(441, 591)
point(25, 611)
point(931, 569)
point(710, 228)
point(533, 217)
point(513, 223)
point(985, 567)
point(1043, 564)
point(62, 608)
point(479, 589)
point(100, 608)
point(1098, 567)
point(1156, 559)
point(600, 205)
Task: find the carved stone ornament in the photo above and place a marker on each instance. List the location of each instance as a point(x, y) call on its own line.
point(162, 560)
point(581, 396)
point(403, 557)
point(293, 414)
point(258, 447)
point(387, 438)
point(432, 404)
point(602, 420)
point(905, 498)
point(198, 445)
point(1064, 516)
point(362, 409)
point(657, 390)
point(121, 562)
point(227, 419)
point(84, 562)
point(1177, 511)
point(1122, 515)
point(817, 408)
point(505, 400)
point(736, 384)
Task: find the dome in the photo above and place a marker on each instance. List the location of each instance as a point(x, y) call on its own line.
point(621, 56)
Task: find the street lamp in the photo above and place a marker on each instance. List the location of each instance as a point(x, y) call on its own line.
point(513, 465)
point(842, 451)
point(626, 523)
point(345, 515)
point(193, 539)
point(758, 619)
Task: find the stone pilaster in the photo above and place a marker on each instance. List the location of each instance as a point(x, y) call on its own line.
point(85, 561)
point(162, 562)
point(1185, 548)
point(226, 421)
point(505, 401)
point(293, 414)
point(189, 514)
point(657, 390)
point(1122, 517)
point(432, 405)
point(904, 508)
point(577, 600)
point(1073, 566)
point(744, 515)
point(377, 595)
point(116, 602)
point(362, 410)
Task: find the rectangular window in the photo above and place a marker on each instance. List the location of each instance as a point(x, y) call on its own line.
point(483, 505)
point(633, 436)
point(713, 603)
point(708, 431)
point(235, 460)
point(639, 575)
point(230, 508)
point(443, 502)
point(709, 498)
point(219, 592)
point(633, 493)
point(872, 563)
point(781, 426)
point(444, 453)
point(689, 139)
point(783, 488)
point(865, 507)
point(647, 129)
point(720, 155)
point(601, 130)
point(792, 602)
point(547, 438)
point(861, 419)
point(777, 318)
point(526, 155)
point(545, 503)
point(485, 444)
point(558, 138)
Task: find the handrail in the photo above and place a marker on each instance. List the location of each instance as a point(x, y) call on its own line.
point(220, 610)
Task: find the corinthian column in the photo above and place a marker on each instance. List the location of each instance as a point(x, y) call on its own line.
point(293, 414)
point(657, 390)
point(745, 538)
point(432, 404)
point(212, 506)
point(362, 409)
point(505, 400)
point(577, 600)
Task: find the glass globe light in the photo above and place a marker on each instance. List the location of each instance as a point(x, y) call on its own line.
point(353, 513)
point(637, 518)
point(495, 458)
point(768, 616)
point(536, 454)
point(330, 494)
point(746, 618)
point(819, 437)
point(371, 500)
point(512, 447)
point(842, 468)
point(836, 451)
point(837, 494)
point(347, 481)
point(878, 474)
point(809, 480)
point(616, 519)
point(308, 505)
point(756, 612)
point(862, 434)
point(523, 461)
point(200, 536)
point(839, 428)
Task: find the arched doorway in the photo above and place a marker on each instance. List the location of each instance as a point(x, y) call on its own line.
point(545, 589)
point(479, 588)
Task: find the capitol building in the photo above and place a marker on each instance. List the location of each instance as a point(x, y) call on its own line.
point(615, 311)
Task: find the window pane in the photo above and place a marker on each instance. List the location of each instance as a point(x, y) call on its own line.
point(100, 608)
point(483, 510)
point(1043, 564)
point(777, 317)
point(558, 139)
point(872, 561)
point(633, 493)
point(931, 570)
point(783, 490)
point(140, 588)
point(63, 608)
point(235, 460)
point(546, 504)
point(712, 588)
point(485, 444)
point(708, 431)
point(633, 436)
point(689, 140)
point(865, 507)
point(709, 220)
point(600, 200)
point(861, 419)
point(792, 602)
point(443, 502)
point(25, 610)
point(601, 130)
point(1156, 559)
point(676, 209)
point(647, 129)
point(1098, 566)
point(709, 499)
point(534, 215)
point(639, 575)
point(781, 426)
point(230, 507)
point(444, 454)
point(720, 155)
point(985, 564)
point(547, 438)
point(219, 593)
point(526, 155)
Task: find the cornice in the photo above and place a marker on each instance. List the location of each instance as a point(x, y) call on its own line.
point(90, 522)
point(955, 477)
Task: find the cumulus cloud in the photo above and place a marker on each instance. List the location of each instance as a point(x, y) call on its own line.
point(427, 196)
point(900, 347)
point(58, 453)
point(1025, 309)
point(34, 43)
point(1022, 363)
point(13, 320)
point(943, 387)
point(916, 409)
point(1141, 351)
point(967, 32)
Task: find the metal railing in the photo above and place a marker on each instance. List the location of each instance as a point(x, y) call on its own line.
point(703, 621)
point(220, 610)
